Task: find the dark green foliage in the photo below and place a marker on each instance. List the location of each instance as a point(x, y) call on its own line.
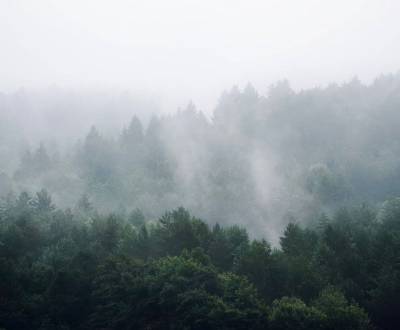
point(292, 313)
point(173, 293)
point(338, 313)
point(177, 230)
point(329, 312)
point(84, 270)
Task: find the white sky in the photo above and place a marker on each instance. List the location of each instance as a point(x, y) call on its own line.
point(186, 49)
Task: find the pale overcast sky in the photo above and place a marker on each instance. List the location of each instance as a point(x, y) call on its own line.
point(185, 49)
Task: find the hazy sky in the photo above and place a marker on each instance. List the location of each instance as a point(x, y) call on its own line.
point(183, 49)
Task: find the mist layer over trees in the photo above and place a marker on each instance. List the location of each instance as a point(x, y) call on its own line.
point(157, 173)
point(258, 160)
point(279, 211)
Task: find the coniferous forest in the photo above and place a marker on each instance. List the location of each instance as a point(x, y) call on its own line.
point(279, 211)
point(63, 269)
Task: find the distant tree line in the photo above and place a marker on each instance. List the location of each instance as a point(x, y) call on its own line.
point(259, 160)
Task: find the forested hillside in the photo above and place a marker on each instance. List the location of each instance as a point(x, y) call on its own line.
point(294, 216)
point(199, 165)
point(82, 270)
point(258, 160)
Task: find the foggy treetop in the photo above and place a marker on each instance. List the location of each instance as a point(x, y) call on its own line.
point(259, 159)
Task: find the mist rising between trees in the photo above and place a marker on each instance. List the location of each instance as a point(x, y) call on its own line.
point(280, 211)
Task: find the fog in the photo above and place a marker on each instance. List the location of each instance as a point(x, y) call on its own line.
point(192, 50)
point(260, 161)
point(198, 164)
point(132, 104)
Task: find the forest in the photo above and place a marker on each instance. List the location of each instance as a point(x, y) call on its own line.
point(259, 160)
point(279, 211)
point(82, 270)
point(199, 165)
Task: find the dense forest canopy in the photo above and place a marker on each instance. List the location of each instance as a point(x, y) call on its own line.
point(258, 160)
point(82, 270)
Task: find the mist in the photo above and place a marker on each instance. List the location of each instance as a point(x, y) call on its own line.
point(197, 165)
point(193, 50)
point(258, 160)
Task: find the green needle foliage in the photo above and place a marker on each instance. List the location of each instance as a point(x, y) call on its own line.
point(63, 269)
